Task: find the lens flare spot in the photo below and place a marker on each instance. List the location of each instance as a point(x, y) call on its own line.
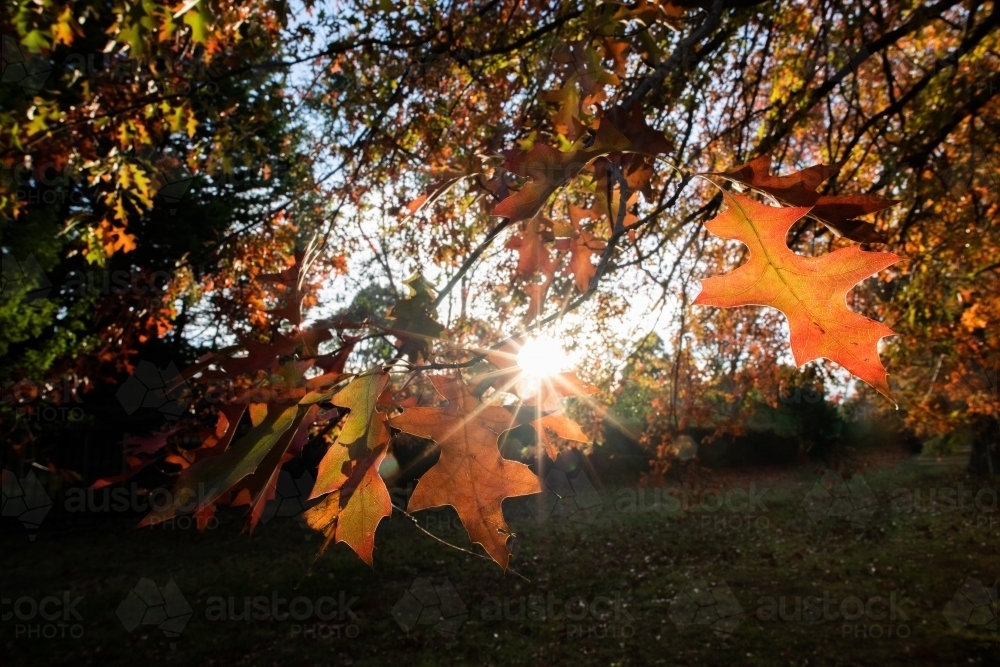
point(541, 358)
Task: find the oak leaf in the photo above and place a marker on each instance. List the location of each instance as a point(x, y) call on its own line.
point(837, 212)
point(566, 119)
point(546, 392)
point(358, 498)
point(549, 169)
point(533, 255)
point(207, 480)
point(560, 425)
point(361, 396)
point(412, 319)
point(810, 291)
point(632, 124)
point(470, 475)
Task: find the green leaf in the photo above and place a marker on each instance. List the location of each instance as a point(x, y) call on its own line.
point(199, 22)
point(36, 41)
point(360, 396)
point(205, 481)
point(413, 322)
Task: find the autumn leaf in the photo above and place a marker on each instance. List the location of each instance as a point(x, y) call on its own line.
point(810, 291)
point(291, 282)
point(583, 247)
point(799, 189)
point(536, 293)
point(260, 486)
point(560, 425)
point(566, 120)
point(549, 169)
point(205, 481)
point(631, 123)
point(116, 239)
point(358, 498)
point(437, 189)
point(361, 396)
point(614, 50)
point(549, 390)
point(199, 19)
point(412, 318)
point(533, 255)
point(470, 475)
point(585, 63)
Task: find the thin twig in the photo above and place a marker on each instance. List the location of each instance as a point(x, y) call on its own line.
point(449, 544)
point(470, 260)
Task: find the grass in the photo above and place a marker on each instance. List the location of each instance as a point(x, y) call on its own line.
point(674, 582)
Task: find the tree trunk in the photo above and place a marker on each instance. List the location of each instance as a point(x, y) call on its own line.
point(985, 457)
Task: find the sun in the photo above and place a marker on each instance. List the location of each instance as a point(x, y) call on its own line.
point(541, 358)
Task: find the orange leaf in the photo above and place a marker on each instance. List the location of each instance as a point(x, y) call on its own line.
point(810, 291)
point(359, 499)
point(471, 476)
point(561, 385)
point(582, 248)
point(799, 189)
point(562, 426)
point(361, 397)
point(549, 169)
point(532, 253)
point(116, 239)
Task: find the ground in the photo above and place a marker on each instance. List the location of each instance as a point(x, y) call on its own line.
point(795, 567)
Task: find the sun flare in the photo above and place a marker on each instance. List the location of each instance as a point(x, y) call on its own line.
point(541, 358)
